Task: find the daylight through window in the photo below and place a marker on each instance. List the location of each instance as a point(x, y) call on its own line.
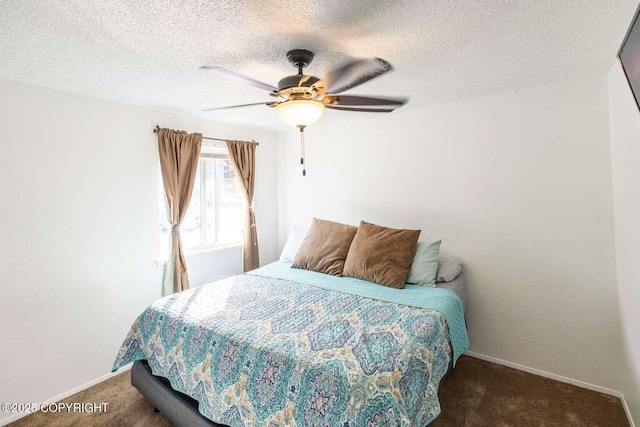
point(216, 212)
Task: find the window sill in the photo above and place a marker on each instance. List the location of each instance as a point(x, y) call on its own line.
point(210, 248)
point(160, 262)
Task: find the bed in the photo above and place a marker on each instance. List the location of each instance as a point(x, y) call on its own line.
point(283, 346)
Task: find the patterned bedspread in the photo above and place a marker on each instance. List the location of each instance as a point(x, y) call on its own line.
point(263, 351)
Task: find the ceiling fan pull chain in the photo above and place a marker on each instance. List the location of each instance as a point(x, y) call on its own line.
point(302, 156)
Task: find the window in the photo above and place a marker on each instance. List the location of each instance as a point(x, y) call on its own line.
point(217, 208)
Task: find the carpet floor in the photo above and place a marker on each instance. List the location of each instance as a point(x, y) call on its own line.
point(475, 393)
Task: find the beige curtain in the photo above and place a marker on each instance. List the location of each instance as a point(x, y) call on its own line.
point(179, 153)
point(243, 159)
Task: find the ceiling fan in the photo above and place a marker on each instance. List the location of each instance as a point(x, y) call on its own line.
point(304, 97)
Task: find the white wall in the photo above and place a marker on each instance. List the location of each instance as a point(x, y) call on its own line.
point(79, 231)
point(209, 266)
point(625, 153)
point(517, 184)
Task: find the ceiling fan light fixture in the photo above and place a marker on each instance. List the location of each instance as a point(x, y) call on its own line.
point(300, 112)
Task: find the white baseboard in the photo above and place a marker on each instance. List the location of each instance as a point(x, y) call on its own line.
point(66, 394)
point(626, 410)
point(556, 377)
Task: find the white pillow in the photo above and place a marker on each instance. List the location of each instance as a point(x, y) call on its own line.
point(424, 267)
point(449, 267)
point(294, 241)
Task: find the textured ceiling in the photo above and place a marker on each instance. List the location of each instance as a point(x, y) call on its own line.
point(149, 52)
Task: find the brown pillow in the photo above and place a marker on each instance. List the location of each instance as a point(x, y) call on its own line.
point(325, 247)
point(381, 255)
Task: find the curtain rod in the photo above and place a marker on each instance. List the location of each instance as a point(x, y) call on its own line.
point(157, 128)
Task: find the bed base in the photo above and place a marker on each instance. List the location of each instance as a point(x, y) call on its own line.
point(179, 408)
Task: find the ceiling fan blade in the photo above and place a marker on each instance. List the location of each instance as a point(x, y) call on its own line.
point(364, 100)
point(241, 78)
point(268, 104)
point(355, 73)
point(366, 110)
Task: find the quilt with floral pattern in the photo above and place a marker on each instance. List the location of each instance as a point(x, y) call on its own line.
point(263, 351)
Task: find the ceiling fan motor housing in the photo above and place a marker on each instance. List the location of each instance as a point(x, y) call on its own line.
point(299, 86)
point(301, 81)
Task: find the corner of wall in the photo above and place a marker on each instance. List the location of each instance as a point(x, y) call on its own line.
point(624, 122)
